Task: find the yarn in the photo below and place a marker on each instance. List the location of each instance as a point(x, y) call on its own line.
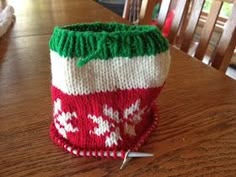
point(105, 80)
point(105, 41)
point(7, 17)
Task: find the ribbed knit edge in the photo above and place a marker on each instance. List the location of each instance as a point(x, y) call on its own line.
point(104, 41)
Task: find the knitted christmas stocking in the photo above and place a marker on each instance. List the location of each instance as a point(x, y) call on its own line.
point(105, 79)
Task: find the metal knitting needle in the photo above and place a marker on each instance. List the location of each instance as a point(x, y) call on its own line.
point(140, 154)
point(130, 154)
point(126, 160)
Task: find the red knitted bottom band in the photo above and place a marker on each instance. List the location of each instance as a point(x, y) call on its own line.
point(104, 153)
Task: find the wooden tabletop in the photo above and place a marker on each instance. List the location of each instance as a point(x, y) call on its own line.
point(197, 130)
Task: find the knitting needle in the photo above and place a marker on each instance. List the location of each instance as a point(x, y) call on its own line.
point(129, 155)
point(140, 154)
point(119, 154)
point(126, 160)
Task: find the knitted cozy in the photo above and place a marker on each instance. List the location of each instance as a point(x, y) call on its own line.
point(105, 79)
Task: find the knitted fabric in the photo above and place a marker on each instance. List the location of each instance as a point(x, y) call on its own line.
point(6, 19)
point(105, 79)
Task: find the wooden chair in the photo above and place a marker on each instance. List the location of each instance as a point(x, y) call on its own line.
point(143, 13)
point(185, 22)
point(225, 47)
point(132, 10)
point(139, 11)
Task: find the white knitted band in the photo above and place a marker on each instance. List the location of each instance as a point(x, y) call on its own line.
point(108, 75)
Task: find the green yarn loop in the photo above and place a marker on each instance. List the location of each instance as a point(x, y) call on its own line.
point(105, 41)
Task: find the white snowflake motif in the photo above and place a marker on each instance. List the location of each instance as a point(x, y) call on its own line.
point(105, 126)
point(132, 116)
point(62, 118)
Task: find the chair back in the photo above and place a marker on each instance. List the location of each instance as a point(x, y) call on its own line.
point(131, 10)
point(139, 11)
point(225, 49)
point(185, 22)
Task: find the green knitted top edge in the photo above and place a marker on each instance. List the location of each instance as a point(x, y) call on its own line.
point(104, 41)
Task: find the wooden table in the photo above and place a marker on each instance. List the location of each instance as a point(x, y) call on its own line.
point(197, 131)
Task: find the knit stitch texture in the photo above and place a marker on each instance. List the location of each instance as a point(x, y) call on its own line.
point(105, 80)
point(106, 41)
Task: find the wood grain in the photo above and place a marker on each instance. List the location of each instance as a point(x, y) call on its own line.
point(208, 29)
point(146, 10)
point(181, 35)
point(192, 24)
point(197, 130)
point(181, 8)
point(226, 45)
point(126, 9)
